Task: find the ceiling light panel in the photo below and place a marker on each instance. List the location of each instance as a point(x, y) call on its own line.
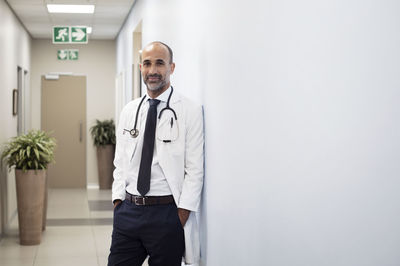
point(74, 9)
point(71, 2)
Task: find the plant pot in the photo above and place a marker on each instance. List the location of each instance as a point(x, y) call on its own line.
point(105, 157)
point(30, 199)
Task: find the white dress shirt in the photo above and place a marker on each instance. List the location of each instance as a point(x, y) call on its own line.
point(158, 183)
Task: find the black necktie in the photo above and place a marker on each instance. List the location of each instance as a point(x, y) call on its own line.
point(143, 183)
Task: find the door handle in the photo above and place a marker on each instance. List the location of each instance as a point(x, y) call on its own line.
point(80, 131)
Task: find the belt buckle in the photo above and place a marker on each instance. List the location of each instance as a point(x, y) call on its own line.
point(138, 203)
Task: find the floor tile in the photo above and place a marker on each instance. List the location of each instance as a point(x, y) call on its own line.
point(102, 221)
point(101, 214)
point(100, 205)
point(102, 260)
point(67, 249)
point(10, 248)
point(97, 194)
point(68, 211)
point(16, 261)
point(78, 232)
point(67, 261)
point(67, 231)
point(68, 222)
point(67, 241)
point(102, 237)
point(67, 196)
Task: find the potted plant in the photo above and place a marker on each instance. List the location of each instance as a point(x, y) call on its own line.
point(103, 133)
point(30, 154)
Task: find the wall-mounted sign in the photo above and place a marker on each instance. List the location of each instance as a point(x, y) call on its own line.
point(68, 34)
point(68, 54)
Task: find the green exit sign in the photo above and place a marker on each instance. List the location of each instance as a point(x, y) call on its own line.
point(68, 54)
point(73, 54)
point(61, 34)
point(78, 35)
point(69, 34)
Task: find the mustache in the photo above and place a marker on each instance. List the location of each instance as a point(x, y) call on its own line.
point(153, 76)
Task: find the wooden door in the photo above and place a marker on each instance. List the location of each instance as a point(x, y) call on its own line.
point(64, 114)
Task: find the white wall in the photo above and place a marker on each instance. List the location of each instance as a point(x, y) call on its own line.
point(302, 139)
point(15, 45)
point(162, 22)
point(97, 62)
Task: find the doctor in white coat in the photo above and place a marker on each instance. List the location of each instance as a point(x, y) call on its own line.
point(162, 223)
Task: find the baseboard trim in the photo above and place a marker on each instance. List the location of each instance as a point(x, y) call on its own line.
point(93, 186)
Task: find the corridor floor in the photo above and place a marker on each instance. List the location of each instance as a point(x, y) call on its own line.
point(78, 232)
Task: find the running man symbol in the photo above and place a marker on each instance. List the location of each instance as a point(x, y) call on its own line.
point(62, 34)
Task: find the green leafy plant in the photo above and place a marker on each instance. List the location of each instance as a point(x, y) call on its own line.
point(33, 151)
point(103, 133)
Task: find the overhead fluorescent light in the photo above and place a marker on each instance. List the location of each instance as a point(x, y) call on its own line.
point(80, 9)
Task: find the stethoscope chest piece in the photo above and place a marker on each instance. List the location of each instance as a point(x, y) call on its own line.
point(134, 133)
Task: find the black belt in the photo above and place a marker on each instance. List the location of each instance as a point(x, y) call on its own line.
point(149, 200)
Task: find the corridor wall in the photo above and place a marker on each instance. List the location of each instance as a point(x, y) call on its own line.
point(97, 62)
point(15, 50)
point(301, 109)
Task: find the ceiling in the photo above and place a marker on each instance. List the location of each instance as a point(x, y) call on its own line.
point(106, 21)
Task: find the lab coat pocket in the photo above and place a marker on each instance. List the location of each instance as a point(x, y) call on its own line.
point(168, 136)
point(168, 131)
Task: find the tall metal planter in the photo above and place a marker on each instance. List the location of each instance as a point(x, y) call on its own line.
point(30, 201)
point(105, 166)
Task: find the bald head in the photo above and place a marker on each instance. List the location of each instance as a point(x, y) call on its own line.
point(158, 43)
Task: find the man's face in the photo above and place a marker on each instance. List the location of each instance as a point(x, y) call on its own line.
point(156, 68)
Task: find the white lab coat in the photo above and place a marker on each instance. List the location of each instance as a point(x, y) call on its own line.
point(181, 160)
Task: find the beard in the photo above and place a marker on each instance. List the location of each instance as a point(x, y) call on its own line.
point(155, 86)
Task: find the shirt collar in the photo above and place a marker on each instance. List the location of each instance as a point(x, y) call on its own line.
point(163, 96)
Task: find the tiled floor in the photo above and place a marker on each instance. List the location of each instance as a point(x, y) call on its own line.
point(79, 226)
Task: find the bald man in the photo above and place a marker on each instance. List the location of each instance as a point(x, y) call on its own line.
point(158, 174)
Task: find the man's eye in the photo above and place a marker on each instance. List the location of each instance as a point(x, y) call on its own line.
point(160, 63)
point(146, 64)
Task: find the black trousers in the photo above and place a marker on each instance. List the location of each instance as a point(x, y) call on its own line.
point(153, 230)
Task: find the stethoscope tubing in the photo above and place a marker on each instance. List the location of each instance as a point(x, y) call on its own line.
point(135, 132)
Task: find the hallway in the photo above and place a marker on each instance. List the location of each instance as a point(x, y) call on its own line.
point(79, 226)
point(300, 121)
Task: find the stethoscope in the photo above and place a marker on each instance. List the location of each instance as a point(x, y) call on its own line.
point(135, 131)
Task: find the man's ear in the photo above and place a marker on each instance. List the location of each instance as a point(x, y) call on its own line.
point(140, 67)
point(172, 67)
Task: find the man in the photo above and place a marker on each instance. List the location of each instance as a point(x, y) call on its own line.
point(159, 171)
